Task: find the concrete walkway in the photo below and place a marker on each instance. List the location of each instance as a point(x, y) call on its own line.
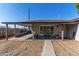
point(24, 37)
point(48, 49)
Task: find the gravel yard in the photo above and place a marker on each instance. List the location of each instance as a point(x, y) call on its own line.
point(21, 48)
point(66, 47)
point(35, 47)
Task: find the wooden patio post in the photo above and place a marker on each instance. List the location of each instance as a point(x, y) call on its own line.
point(14, 30)
point(6, 31)
point(33, 31)
point(62, 32)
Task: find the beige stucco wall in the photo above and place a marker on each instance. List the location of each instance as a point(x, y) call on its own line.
point(77, 32)
point(68, 29)
point(71, 28)
point(57, 30)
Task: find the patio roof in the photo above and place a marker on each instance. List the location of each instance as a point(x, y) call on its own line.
point(32, 22)
point(45, 21)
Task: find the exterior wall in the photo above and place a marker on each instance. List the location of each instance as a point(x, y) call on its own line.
point(57, 30)
point(64, 28)
point(71, 31)
point(37, 29)
point(77, 33)
point(68, 29)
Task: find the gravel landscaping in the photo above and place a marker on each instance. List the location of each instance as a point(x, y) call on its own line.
point(21, 48)
point(66, 47)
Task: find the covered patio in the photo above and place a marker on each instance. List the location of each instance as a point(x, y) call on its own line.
point(61, 29)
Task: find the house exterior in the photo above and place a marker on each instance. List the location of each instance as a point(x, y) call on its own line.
point(61, 28)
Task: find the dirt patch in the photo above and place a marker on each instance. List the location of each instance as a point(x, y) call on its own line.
point(23, 48)
point(66, 47)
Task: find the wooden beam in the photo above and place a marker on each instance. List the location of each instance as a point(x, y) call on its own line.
point(33, 31)
point(14, 30)
point(6, 31)
point(62, 33)
point(29, 27)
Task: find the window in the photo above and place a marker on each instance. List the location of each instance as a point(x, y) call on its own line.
point(46, 29)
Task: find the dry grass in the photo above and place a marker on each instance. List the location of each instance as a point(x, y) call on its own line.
point(23, 48)
point(66, 47)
